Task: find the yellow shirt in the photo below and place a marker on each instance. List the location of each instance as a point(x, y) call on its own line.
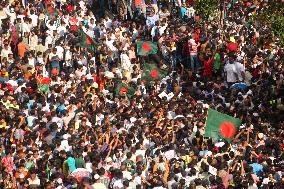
point(6, 104)
point(14, 106)
point(3, 124)
point(187, 159)
point(65, 168)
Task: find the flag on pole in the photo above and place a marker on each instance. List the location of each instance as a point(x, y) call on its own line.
point(152, 73)
point(43, 88)
point(145, 48)
point(221, 126)
point(43, 80)
point(123, 89)
point(49, 10)
point(87, 41)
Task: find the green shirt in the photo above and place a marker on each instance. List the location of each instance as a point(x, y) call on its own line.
point(79, 163)
point(217, 62)
point(26, 41)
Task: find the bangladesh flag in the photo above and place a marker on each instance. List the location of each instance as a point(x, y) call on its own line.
point(221, 126)
point(152, 73)
point(122, 89)
point(43, 88)
point(88, 42)
point(145, 48)
point(43, 80)
point(49, 10)
point(75, 28)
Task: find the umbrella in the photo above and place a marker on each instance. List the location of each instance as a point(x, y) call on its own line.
point(80, 173)
point(239, 86)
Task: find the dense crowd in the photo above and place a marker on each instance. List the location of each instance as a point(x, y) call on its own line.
point(79, 133)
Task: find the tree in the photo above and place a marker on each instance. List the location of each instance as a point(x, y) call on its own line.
point(206, 8)
point(272, 15)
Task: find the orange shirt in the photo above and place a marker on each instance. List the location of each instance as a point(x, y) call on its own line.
point(22, 48)
point(28, 75)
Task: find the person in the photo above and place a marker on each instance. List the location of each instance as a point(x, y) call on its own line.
point(230, 71)
point(34, 181)
point(79, 161)
point(5, 52)
point(240, 69)
point(71, 163)
point(81, 108)
point(22, 48)
point(97, 183)
point(193, 55)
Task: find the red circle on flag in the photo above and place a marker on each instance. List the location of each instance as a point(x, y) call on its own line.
point(154, 74)
point(123, 90)
point(227, 130)
point(88, 41)
point(74, 28)
point(50, 10)
point(146, 47)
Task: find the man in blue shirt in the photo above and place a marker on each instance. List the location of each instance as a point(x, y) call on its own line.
point(257, 168)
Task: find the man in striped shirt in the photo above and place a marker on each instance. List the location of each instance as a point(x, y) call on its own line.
point(194, 64)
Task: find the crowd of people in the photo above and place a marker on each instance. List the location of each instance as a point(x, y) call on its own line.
point(79, 133)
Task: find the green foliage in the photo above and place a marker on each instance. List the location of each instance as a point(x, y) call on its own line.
point(205, 8)
point(272, 15)
point(278, 28)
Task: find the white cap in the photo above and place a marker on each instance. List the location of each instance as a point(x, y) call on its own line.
point(132, 119)
point(96, 176)
point(108, 159)
point(59, 181)
point(260, 135)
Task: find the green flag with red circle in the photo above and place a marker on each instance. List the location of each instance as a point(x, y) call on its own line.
point(87, 41)
point(123, 89)
point(49, 11)
point(221, 126)
point(43, 88)
point(145, 48)
point(152, 73)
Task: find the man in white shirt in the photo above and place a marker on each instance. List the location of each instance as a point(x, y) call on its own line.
point(125, 61)
point(60, 51)
point(33, 180)
point(108, 22)
point(25, 26)
point(61, 30)
point(240, 71)
point(48, 39)
point(230, 71)
point(162, 28)
point(51, 25)
point(98, 184)
point(11, 13)
point(5, 52)
point(34, 18)
point(90, 32)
